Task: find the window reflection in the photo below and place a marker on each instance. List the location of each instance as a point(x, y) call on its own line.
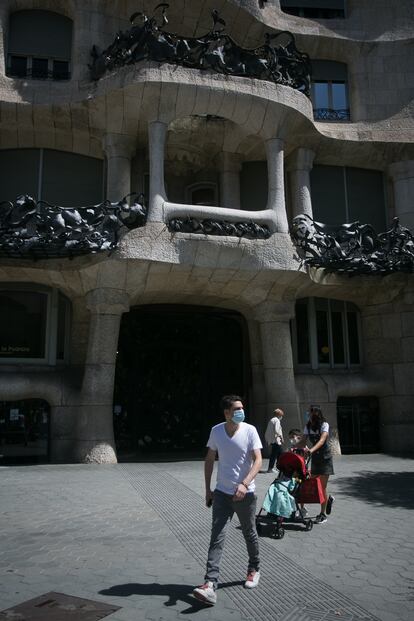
point(326, 333)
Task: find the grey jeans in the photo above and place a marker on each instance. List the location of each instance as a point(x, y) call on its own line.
point(224, 507)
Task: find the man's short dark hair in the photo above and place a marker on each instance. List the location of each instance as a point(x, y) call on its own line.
point(295, 432)
point(228, 400)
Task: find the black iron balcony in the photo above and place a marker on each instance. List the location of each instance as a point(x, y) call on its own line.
point(329, 114)
point(32, 229)
point(277, 60)
point(353, 248)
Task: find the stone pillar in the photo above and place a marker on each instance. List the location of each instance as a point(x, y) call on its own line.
point(230, 167)
point(299, 167)
point(258, 405)
point(95, 436)
point(157, 136)
point(279, 377)
point(276, 183)
point(402, 174)
point(119, 149)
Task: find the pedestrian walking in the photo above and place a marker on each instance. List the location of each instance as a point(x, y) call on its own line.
point(317, 432)
point(238, 447)
point(274, 438)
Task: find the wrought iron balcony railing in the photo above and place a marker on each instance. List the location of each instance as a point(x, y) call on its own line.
point(353, 248)
point(32, 229)
point(328, 114)
point(277, 60)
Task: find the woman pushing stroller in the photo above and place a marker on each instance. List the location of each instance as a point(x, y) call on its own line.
point(316, 431)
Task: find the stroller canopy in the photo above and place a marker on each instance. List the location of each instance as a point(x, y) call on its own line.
point(290, 462)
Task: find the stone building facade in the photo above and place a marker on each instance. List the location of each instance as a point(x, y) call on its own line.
point(211, 145)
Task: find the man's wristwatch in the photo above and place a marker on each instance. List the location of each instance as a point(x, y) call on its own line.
point(246, 486)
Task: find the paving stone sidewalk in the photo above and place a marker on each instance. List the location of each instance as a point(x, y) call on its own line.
point(136, 536)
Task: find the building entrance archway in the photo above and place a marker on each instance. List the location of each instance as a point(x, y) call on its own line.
point(358, 424)
point(173, 365)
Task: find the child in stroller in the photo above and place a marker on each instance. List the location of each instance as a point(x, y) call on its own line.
point(280, 502)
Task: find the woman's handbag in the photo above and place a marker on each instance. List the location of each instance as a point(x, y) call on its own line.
point(310, 491)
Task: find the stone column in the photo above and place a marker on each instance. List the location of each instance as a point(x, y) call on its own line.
point(279, 377)
point(276, 184)
point(230, 167)
point(95, 436)
point(402, 174)
point(157, 136)
point(258, 404)
point(299, 167)
point(119, 149)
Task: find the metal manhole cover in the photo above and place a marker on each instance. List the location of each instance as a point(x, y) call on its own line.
point(58, 607)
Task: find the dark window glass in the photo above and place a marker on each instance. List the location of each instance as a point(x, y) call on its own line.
point(339, 98)
point(328, 194)
point(41, 36)
point(18, 66)
point(61, 327)
point(203, 196)
point(353, 339)
point(61, 70)
point(22, 324)
point(322, 336)
point(253, 186)
point(70, 179)
point(39, 68)
point(365, 193)
point(321, 95)
point(320, 9)
point(302, 333)
point(337, 337)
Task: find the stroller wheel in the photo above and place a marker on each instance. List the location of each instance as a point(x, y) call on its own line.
point(308, 524)
point(259, 528)
point(279, 533)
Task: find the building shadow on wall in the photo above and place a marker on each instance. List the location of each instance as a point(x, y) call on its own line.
point(388, 489)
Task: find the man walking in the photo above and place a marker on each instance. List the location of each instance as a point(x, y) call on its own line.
point(238, 446)
point(274, 438)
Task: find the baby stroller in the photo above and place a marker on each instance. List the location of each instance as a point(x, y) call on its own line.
point(281, 503)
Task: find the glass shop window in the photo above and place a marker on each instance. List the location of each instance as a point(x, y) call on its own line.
point(23, 316)
point(326, 334)
point(314, 9)
point(34, 325)
point(39, 45)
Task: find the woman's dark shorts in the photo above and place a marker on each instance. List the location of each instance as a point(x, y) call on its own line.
point(322, 466)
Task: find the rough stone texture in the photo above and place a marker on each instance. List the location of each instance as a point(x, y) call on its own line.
point(186, 126)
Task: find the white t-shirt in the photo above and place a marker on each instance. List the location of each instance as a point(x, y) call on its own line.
point(235, 455)
point(324, 427)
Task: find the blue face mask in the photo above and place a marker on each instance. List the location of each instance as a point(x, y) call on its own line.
point(238, 416)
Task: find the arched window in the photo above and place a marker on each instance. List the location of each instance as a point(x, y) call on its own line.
point(59, 177)
point(345, 194)
point(326, 334)
point(202, 194)
point(314, 9)
point(34, 324)
point(39, 45)
point(329, 91)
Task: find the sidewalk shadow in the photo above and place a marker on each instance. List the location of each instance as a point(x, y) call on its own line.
point(174, 593)
point(390, 489)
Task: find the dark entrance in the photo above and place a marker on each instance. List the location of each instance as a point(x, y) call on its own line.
point(24, 431)
point(173, 365)
point(358, 424)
